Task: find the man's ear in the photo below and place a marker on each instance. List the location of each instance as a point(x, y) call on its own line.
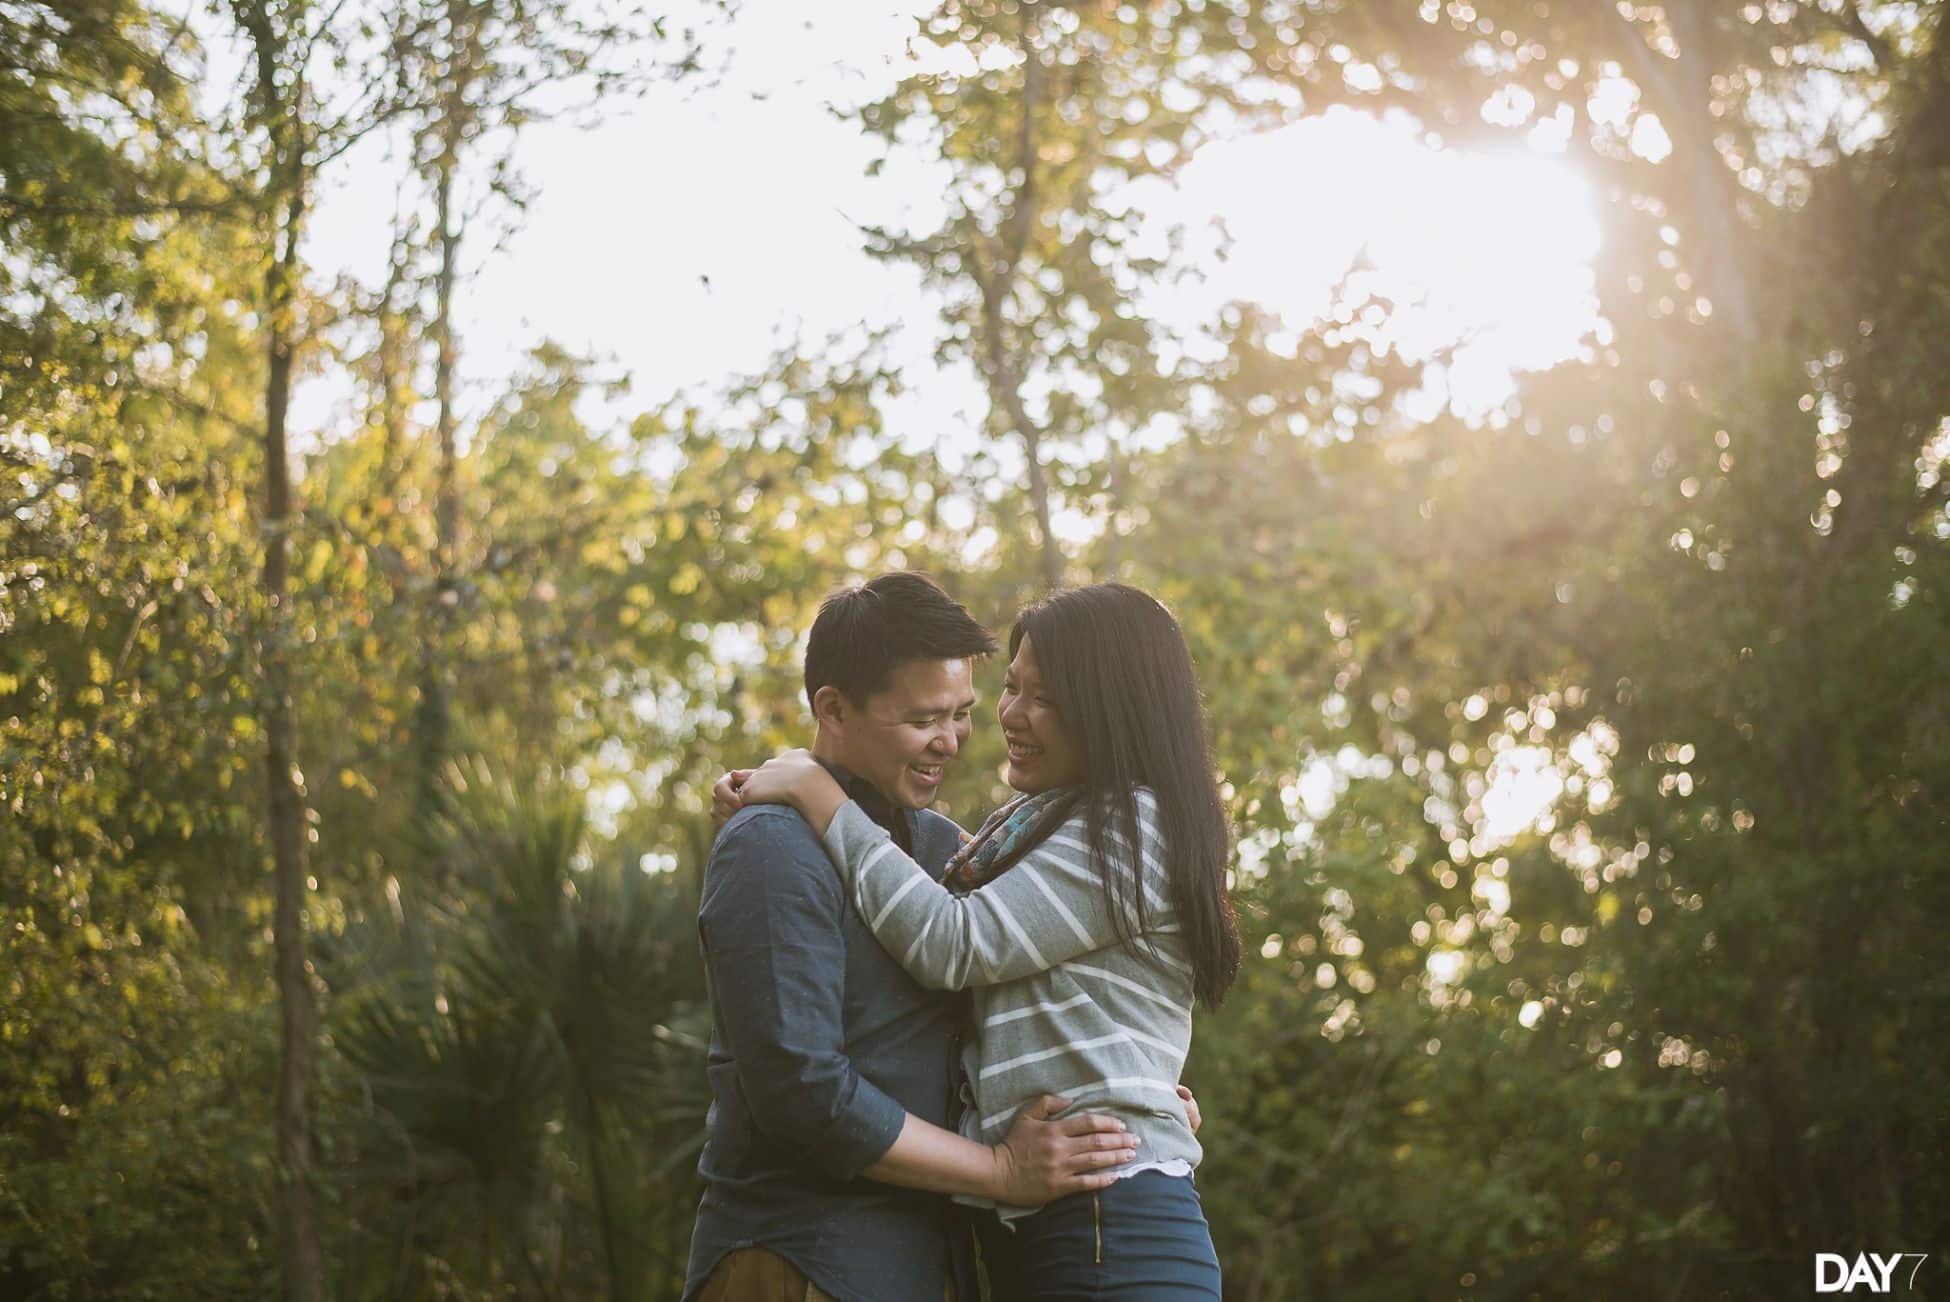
point(831, 710)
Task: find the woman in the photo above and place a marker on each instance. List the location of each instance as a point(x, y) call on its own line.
point(1087, 915)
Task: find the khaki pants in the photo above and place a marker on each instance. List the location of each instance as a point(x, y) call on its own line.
point(758, 1275)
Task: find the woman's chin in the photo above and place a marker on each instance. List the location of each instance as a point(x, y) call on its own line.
point(1024, 780)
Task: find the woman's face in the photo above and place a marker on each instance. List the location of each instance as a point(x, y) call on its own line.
point(1041, 755)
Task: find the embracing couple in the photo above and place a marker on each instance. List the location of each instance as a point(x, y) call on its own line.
point(868, 1120)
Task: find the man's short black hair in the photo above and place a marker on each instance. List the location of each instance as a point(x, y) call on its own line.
point(862, 635)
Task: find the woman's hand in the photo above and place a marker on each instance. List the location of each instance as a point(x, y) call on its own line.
point(1191, 1108)
point(782, 780)
point(725, 799)
point(794, 778)
point(1040, 1160)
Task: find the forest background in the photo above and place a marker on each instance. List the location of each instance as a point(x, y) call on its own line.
point(1588, 746)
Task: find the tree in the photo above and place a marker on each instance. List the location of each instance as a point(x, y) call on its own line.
point(1048, 112)
point(296, 130)
point(1646, 567)
point(487, 70)
point(125, 594)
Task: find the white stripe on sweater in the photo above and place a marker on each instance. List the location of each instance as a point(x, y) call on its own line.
point(1171, 1051)
point(1080, 870)
point(1078, 1092)
point(900, 893)
point(1016, 1014)
point(1123, 1034)
point(1128, 984)
point(1158, 952)
point(920, 939)
point(1072, 1046)
point(1152, 900)
point(1036, 876)
point(1015, 929)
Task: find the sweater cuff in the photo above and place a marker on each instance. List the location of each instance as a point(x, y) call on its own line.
point(851, 836)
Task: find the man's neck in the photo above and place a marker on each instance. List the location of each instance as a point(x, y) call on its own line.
point(888, 813)
point(828, 748)
point(832, 753)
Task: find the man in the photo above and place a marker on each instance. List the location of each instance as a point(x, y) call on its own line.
point(834, 1076)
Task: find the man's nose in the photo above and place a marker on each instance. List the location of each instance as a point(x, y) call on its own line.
point(948, 740)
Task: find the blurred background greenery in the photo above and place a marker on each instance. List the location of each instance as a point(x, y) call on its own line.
point(1589, 752)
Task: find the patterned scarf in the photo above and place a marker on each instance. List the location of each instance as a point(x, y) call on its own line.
point(1008, 828)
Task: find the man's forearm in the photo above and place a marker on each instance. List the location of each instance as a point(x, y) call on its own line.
point(924, 1156)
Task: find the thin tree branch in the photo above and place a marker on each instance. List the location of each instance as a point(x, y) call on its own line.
point(116, 209)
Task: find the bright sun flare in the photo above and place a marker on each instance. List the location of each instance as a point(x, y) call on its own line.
point(1491, 250)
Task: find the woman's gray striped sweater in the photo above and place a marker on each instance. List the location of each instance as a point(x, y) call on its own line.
point(1062, 1005)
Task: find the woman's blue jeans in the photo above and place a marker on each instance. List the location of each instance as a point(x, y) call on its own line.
point(1143, 1238)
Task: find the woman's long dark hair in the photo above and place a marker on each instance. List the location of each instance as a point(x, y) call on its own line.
point(1118, 670)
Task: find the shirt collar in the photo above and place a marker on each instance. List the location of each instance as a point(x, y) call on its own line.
point(898, 822)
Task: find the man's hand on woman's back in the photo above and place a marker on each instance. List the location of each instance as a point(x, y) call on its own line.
point(1041, 1159)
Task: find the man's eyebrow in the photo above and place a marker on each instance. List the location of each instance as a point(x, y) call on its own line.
point(930, 711)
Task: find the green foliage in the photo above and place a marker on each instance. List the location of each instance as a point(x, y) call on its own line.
point(528, 1038)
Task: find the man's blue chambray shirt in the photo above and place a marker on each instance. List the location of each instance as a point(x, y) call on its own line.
point(820, 1043)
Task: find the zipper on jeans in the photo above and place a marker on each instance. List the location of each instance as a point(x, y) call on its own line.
point(1097, 1217)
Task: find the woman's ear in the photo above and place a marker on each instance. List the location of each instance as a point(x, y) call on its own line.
point(830, 710)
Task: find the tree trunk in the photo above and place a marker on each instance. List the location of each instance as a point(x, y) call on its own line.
point(1005, 390)
point(447, 515)
point(1003, 375)
point(303, 1260)
point(1681, 92)
point(435, 705)
point(393, 365)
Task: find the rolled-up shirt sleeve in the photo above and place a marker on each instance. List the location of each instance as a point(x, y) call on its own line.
point(770, 924)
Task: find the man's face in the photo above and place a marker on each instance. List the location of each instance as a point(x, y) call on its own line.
point(903, 737)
